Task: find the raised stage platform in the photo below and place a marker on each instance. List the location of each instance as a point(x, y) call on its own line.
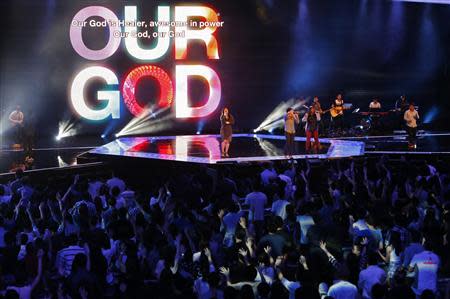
point(206, 148)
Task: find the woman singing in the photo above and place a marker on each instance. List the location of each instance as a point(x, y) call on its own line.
point(226, 130)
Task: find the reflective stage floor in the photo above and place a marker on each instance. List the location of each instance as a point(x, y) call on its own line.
point(428, 143)
point(206, 148)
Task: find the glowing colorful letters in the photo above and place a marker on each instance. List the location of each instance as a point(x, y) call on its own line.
point(127, 30)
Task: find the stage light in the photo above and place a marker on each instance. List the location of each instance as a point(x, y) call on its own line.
point(198, 133)
point(431, 115)
point(147, 123)
point(66, 128)
point(275, 119)
point(103, 136)
point(61, 162)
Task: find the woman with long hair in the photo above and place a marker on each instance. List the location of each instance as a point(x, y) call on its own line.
point(226, 130)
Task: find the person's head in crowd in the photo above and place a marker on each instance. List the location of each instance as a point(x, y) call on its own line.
point(71, 240)
point(79, 262)
point(416, 236)
point(427, 294)
point(263, 289)
point(400, 277)
point(19, 173)
point(396, 242)
point(342, 272)
point(372, 259)
point(23, 239)
point(11, 294)
point(379, 291)
point(115, 191)
point(278, 291)
point(246, 292)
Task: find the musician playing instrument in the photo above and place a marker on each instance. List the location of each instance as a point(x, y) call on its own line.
point(375, 105)
point(337, 114)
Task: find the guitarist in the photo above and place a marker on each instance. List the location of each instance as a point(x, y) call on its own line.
point(337, 114)
point(16, 118)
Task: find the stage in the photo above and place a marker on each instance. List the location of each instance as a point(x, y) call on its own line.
point(206, 149)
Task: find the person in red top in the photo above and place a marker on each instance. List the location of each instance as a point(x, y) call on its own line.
point(311, 118)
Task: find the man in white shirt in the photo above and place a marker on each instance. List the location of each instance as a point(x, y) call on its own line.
point(257, 201)
point(268, 174)
point(343, 290)
point(375, 105)
point(425, 265)
point(65, 256)
point(411, 116)
point(16, 118)
point(279, 208)
point(370, 276)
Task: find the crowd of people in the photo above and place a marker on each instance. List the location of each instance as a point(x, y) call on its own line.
point(365, 228)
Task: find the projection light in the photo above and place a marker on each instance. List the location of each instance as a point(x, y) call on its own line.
point(66, 129)
point(275, 119)
point(146, 123)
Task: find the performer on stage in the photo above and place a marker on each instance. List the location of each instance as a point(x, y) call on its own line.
point(319, 111)
point(316, 105)
point(226, 130)
point(312, 119)
point(375, 105)
point(290, 121)
point(16, 117)
point(337, 114)
point(401, 106)
point(411, 116)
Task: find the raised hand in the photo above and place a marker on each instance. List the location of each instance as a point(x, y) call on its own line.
point(225, 271)
point(243, 252)
point(243, 222)
point(364, 241)
point(323, 245)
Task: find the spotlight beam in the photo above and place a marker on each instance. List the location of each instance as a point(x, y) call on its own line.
point(275, 118)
